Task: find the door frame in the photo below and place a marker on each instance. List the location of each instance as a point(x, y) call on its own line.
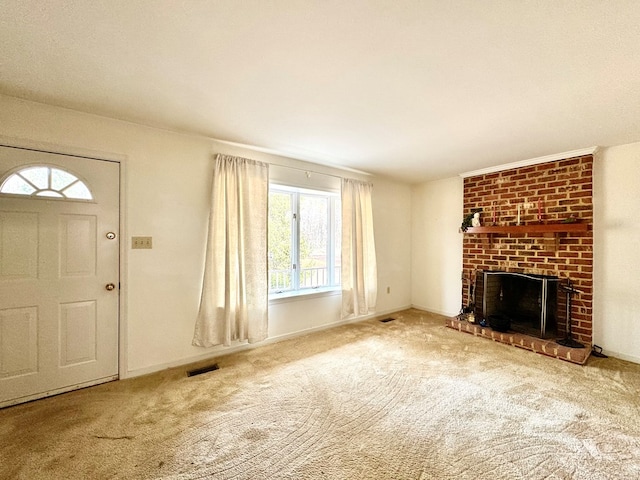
point(93, 155)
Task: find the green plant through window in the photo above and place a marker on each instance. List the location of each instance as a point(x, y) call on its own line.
point(304, 239)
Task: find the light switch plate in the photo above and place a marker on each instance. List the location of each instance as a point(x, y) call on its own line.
point(141, 242)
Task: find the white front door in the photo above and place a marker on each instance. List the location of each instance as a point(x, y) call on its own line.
point(59, 273)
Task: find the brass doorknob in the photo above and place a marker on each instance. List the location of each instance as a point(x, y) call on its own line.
point(110, 286)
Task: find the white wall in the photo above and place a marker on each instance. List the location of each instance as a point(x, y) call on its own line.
point(437, 246)
point(167, 181)
point(616, 222)
point(392, 225)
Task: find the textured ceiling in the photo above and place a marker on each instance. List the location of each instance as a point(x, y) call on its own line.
point(415, 90)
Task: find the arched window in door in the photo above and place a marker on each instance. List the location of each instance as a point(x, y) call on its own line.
point(45, 181)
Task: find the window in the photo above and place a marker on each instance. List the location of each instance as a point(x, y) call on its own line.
point(45, 181)
point(304, 240)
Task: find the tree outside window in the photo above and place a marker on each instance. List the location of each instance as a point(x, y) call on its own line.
point(304, 247)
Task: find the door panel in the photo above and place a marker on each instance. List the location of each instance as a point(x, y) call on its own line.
point(18, 341)
point(18, 244)
point(58, 323)
point(78, 328)
point(77, 245)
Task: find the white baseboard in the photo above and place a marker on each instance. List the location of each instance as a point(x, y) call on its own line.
point(212, 353)
point(622, 356)
point(222, 350)
point(431, 310)
point(337, 323)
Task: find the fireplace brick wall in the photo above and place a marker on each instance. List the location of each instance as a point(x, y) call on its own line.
point(559, 190)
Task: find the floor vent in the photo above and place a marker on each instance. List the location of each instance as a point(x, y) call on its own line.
point(385, 320)
point(199, 371)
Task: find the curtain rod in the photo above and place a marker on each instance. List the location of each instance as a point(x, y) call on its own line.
point(274, 152)
point(309, 172)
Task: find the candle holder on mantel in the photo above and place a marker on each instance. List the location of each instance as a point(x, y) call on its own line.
point(539, 211)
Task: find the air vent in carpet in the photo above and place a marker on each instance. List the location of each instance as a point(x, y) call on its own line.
point(199, 371)
point(387, 320)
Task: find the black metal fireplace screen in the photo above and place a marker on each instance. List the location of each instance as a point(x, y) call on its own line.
point(529, 301)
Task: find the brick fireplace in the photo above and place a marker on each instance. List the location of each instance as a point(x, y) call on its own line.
point(537, 198)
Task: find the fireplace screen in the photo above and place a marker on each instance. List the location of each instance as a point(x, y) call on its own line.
point(529, 301)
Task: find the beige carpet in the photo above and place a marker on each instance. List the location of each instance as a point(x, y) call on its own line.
point(408, 399)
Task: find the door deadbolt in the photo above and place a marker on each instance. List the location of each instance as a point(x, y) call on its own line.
point(110, 286)
point(111, 235)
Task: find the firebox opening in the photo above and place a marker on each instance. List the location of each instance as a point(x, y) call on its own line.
point(529, 301)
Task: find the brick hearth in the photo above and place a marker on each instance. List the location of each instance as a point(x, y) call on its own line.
point(536, 345)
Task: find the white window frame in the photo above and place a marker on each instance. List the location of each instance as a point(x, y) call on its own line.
point(49, 192)
point(333, 277)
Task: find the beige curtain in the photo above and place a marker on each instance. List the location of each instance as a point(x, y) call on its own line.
point(359, 271)
point(234, 300)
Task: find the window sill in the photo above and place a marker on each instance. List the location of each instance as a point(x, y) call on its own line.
point(307, 294)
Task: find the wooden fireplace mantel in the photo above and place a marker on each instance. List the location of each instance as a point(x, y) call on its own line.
point(545, 229)
point(532, 228)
